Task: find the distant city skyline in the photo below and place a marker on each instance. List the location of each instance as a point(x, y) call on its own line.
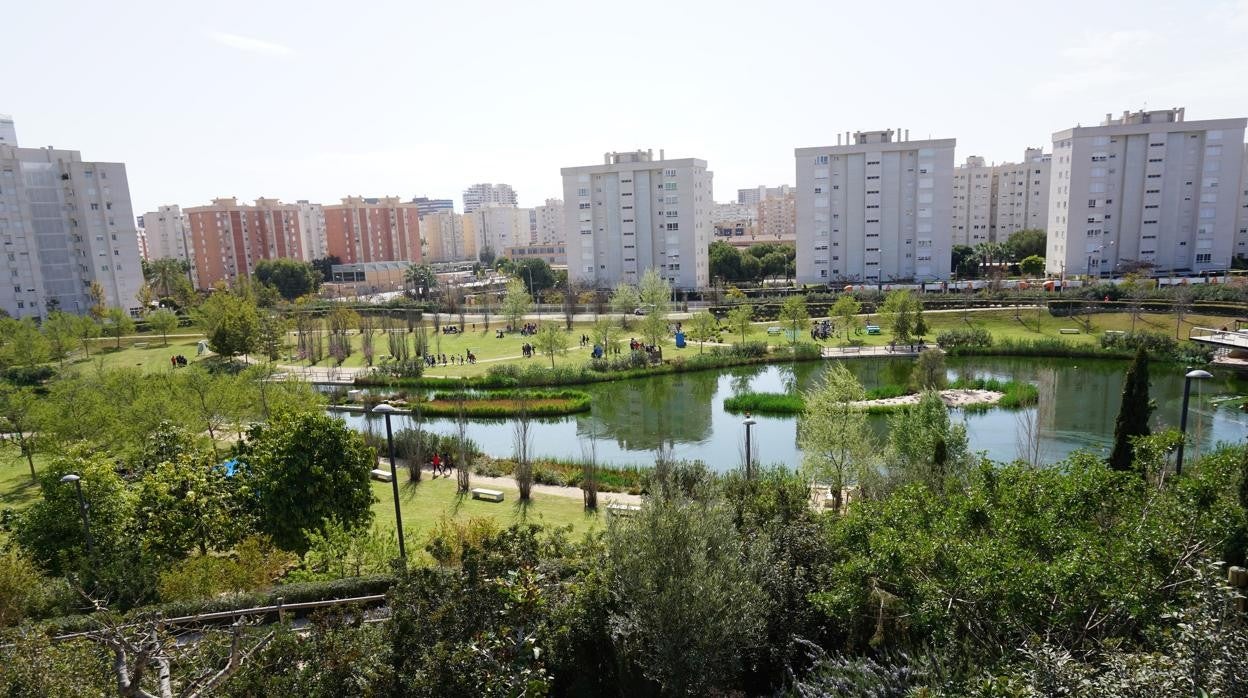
point(253, 107)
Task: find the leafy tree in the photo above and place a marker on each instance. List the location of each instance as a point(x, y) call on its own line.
point(1026, 243)
point(118, 324)
point(272, 337)
point(231, 323)
point(535, 273)
point(186, 504)
point(929, 371)
point(211, 398)
point(793, 313)
point(654, 292)
point(654, 327)
point(903, 311)
point(751, 268)
point(703, 327)
point(165, 275)
point(21, 586)
point(516, 303)
point(725, 261)
point(98, 307)
point(1133, 413)
point(325, 265)
point(1032, 265)
point(21, 342)
point(87, 329)
point(421, 279)
point(604, 335)
point(551, 341)
point(926, 447)
point(303, 470)
point(834, 434)
point(845, 309)
point(162, 322)
point(739, 319)
point(624, 300)
point(61, 330)
point(20, 408)
point(292, 278)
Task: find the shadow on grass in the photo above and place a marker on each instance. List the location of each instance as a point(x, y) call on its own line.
point(522, 507)
point(20, 493)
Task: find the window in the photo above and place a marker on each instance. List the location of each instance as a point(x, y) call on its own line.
point(821, 159)
point(669, 173)
point(673, 226)
point(1204, 257)
point(669, 186)
point(1091, 203)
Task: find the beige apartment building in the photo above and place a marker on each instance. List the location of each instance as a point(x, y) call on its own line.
point(228, 238)
point(777, 219)
point(444, 236)
point(496, 227)
point(549, 223)
point(373, 230)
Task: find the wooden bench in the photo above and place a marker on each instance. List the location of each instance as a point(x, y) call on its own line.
point(488, 495)
point(1068, 330)
point(774, 331)
point(139, 345)
point(619, 509)
point(381, 475)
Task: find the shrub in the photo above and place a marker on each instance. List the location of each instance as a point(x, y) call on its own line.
point(765, 403)
point(969, 337)
point(1156, 344)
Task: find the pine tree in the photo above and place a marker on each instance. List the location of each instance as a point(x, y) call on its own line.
point(1133, 414)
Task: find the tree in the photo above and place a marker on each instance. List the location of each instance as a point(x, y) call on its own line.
point(302, 471)
point(654, 292)
point(87, 329)
point(20, 410)
point(535, 273)
point(845, 309)
point(516, 303)
point(212, 399)
point(21, 585)
point(165, 274)
point(925, 446)
point(703, 327)
point(725, 261)
point(118, 324)
point(929, 371)
point(271, 340)
point(793, 313)
point(162, 322)
point(1133, 413)
point(604, 335)
point(551, 340)
point(421, 279)
point(624, 300)
point(186, 504)
point(61, 329)
point(965, 263)
point(21, 343)
point(292, 278)
point(834, 434)
point(98, 307)
point(739, 319)
point(901, 310)
point(1026, 243)
point(1032, 265)
point(231, 323)
point(654, 328)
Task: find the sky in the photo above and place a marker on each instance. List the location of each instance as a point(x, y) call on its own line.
point(320, 100)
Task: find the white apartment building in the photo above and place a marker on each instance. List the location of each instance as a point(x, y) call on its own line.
point(485, 193)
point(550, 223)
point(1241, 227)
point(633, 213)
point(497, 227)
point(1022, 195)
point(733, 212)
point(444, 236)
point(1146, 188)
point(64, 224)
point(875, 209)
point(974, 199)
point(8, 131)
point(315, 241)
point(753, 195)
point(168, 236)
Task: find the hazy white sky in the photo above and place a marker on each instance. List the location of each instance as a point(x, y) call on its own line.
point(318, 100)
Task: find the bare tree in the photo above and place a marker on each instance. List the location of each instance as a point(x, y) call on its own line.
point(589, 467)
point(463, 473)
point(523, 445)
point(1182, 304)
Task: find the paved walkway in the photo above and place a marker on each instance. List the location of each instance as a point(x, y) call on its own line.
point(869, 352)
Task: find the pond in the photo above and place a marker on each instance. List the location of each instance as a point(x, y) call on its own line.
point(630, 420)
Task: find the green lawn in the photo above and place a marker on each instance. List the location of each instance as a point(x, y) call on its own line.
point(151, 354)
point(425, 503)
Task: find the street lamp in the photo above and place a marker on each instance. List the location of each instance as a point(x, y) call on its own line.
point(82, 509)
point(387, 410)
point(1187, 392)
point(749, 423)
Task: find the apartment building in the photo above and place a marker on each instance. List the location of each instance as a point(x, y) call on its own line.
point(552, 254)
point(1022, 195)
point(875, 208)
point(314, 235)
point(8, 130)
point(974, 198)
point(65, 224)
point(167, 234)
point(426, 206)
point(479, 195)
point(777, 219)
point(633, 213)
point(444, 236)
point(549, 223)
point(381, 229)
point(496, 227)
point(754, 195)
point(1148, 189)
point(228, 238)
point(1241, 227)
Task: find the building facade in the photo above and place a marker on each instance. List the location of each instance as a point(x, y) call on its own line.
point(549, 218)
point(444, 236)
point(1146, 190)
point(777, 219)
point(479, 195)
point(65, 224)
point(312, 231)
point(1241, 227)
point(373, 230)
point(8, 131)
point(496, 227)
point(633, 213)
point(875, 209)
point(167, 234)
point(974, 199)
point(753, 195)
point(229, 238)
point(554, 254)
point(1022, 195)
point(426, 206)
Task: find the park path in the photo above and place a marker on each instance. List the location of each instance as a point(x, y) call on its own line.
point(604, 498)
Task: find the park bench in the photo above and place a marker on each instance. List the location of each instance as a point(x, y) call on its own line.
point(873, 329)
point(774, 331)
point(381, 475)
point(619, 509)
point(139, 345)
point(1068, 330)
point(488, 495)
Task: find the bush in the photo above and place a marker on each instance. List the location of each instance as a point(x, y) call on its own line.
point(964, 338)
point(765, 403)
point(1156, 344)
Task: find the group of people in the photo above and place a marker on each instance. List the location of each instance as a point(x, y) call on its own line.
point(451, 359)
point(177, 361)
point(450, 329)
point(584, 340)
point(892, 346)
point(530, 328)
point(528, 350)
point(441, 464)
point(822, 330)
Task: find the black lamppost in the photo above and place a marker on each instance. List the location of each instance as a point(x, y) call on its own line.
point(82, 509)
point(387, 410)
point(1187, 392)
point(749, 423)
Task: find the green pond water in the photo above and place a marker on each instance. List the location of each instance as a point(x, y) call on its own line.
point(1079, 400)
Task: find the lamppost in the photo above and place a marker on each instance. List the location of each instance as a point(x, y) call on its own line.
point(1187, 392)
point(533, 292)
point(387, 410)
point(82, 509)
point(749, 423)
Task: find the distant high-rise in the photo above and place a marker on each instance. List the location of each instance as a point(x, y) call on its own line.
point(633, 213)
point(378, 230)
point(8, 131)
point(1148, 189)
point(479, 195)
point(425, 205)
point(65, 224)
point(443, 232)
point(228, 238)
point(753, 195)
point(992, 202)
point(167, 235)
point(497, 227)
point(874, 209)
point(312, 232)
point(550, 223)
point(974, 199)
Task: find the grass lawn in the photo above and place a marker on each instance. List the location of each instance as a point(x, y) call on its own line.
point(425, 503)
point(152, 355)
point(17, 490)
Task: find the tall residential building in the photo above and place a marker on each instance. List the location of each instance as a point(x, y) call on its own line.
point(496, 227)
point(167, 234)
point(443, 232)
point(753, 195)
point(1148, 188)
point(1241, 227)
point(1022, 191)
point(313, 235)
point(777, 219)
point(550, 223)
point(228, 238)
point(373, 230)
point(65, 224)
point(633, 213)
point(974, 197)
point(425, 205)
point(479, 195)
point(875, 209)
point(8, 131)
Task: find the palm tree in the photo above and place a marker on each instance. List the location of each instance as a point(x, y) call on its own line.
point(421, 279)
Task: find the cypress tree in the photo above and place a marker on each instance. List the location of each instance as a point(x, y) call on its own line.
point(1133, 414)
